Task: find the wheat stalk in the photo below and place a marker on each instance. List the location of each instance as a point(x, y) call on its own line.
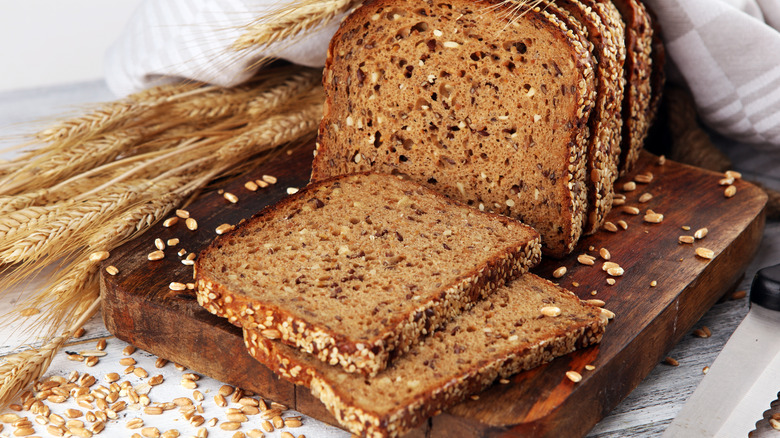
point(94, 123)
point(290, 21)
point(20, 369)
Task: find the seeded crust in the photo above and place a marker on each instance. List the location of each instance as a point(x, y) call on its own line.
point(638, 69)
point(357, 268)
point(496, 339)
point(411, 89)
point(608, 49)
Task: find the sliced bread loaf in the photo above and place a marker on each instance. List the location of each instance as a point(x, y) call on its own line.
point(357, 267)
point(606, 35)
point(638, 72)
point(498, 337)
point(487, 102)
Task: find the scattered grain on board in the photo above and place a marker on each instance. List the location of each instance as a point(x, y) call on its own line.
point(230, 197)
point(630, 210)
point(609, 226)
point(191, 223)
point(112, 270)
point(671, 361)
point(560, 272)
point(574, 376)
point(646, 197)
point(644, 178)
point(604, 253)
point(705, 253)
point(159, 244)
point(730, 191)
point(629, 186)
point(156, 255)
point(686, 239)
point(701, 233)
point(251, 186)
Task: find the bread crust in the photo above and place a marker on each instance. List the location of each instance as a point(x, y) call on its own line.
point(371, 422)
point(332, 158)
point(367, 357)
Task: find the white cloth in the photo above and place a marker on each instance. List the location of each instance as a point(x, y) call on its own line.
point(726, 51)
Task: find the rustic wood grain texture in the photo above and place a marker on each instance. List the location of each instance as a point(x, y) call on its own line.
point(140, 309)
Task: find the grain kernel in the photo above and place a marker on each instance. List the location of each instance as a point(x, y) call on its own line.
point(701, 233)
point(251, 186)
point(98, 256)
point(24, 431)
point(560, 272)
point(156, 380)
point(671, 361)
point(630, 210)
point(156, 255)
point(175, 285)
point(277, 422)
point(654, 218)
point(171, 433)
point(617, 202)
point(255, 433)
point(191, 223)
point(140, 372)
point(551, 311)
point(150, 432)
point(646, 197)
point(685, 239)
point(292, 190)
point(586, 259)
point(91, 361)
point(629, 186)
point(609, 226)
point(622, 224)
point(574, 376)
point(293, 422)
point(135, 423)
point(267, 426)
point(220, 401)
point(705, 253)
point(644, 178)
point(189, 384)
point(112, 270)
point(286, 434)
point(615, 272)
point(111, 377)
point(611, 281)
point(229, 425)
point(127, 351)
point(653, 283)
point(269, 179)
point(226, 390)
point(733, 174)
point(604, 253)
point(79, 333)
point(171, 221)
point(738, 295)
point(224, 228)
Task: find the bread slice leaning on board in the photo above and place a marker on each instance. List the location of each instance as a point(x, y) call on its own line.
point(356, 269)
point(514, 330)
point(511, 109)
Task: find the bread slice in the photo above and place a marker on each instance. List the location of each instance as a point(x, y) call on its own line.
point(638, 71)
point(354, 268)
point(486, 102)
point(497, 338)
point(607, 43)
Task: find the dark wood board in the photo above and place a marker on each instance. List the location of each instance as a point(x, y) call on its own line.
point(140, 309)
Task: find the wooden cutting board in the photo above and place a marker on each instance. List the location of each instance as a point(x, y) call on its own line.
point(138, 306)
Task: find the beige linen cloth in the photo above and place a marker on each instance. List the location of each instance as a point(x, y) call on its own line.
point(726, 51)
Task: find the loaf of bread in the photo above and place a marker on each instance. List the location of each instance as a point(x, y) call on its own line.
point(486, 102)
point(605, 31)
point(513, 331)
point(637, 108)
point(359, 267)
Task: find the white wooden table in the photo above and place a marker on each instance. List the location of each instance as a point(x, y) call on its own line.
point(644, 413)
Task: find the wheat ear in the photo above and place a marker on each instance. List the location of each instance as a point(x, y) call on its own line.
point(21, 369)
point(290, 21)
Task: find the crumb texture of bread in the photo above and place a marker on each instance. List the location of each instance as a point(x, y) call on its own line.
point(359, 267)
point(495, 339)
point(476, 101)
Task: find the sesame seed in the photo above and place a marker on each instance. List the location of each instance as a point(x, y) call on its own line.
point(156, 255)
point(551, 311)
point(269, 179)
point(184, 214)
point(171, 221)
point(730, 191)
point(112, 270)
point(230, 197)
point(251, 186)
point(560, 272)
point(191, 223)
point(705, 253)
point(574, 376)
point(224, 228)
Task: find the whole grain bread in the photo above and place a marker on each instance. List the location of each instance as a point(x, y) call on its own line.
point(606, 34)
point(498, 337)
point(637, 108)
point(487, 102)
point(355, 268)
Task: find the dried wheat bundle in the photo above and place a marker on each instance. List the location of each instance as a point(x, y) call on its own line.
point(291, 20)
point(105, 177)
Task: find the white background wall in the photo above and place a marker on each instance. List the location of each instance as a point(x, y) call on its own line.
point(49, 42)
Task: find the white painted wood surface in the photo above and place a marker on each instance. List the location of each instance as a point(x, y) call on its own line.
point(644, 413)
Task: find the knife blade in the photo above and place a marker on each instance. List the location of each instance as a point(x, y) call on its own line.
point(745, 377)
